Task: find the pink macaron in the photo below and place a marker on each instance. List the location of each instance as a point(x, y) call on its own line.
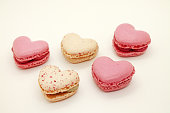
point(129, 42)
point(28, 54)
point(112, 75)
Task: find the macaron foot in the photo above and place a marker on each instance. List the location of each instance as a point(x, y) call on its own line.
point(59, 96)
point(81, 59)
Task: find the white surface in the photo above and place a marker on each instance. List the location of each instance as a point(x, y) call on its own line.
point(50, 20)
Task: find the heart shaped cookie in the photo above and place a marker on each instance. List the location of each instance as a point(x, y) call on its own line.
point(29, 53)
point(76, 49)
point(130, 42)
point(112, 75)
point(57, 85)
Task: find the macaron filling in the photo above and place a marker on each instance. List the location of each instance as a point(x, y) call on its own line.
point(33, 59)
point(62, 93)
point(129, 49)
point(73, 89)
point(79, 55)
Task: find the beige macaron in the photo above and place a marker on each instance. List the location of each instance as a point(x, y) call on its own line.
point(76, 49)
point(58, 85)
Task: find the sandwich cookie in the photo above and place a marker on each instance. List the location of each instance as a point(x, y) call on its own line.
point(76, 49)
point(28, 54)
point(57, 85)
point(112, 75)
point(129, 42)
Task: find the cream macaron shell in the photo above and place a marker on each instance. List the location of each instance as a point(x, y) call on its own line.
point(74, 44)
point(52, 80)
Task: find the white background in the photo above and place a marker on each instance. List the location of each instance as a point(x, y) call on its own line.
point(50, 20)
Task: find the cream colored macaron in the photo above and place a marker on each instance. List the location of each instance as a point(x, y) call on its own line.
point(58, 85)
point(76, 49)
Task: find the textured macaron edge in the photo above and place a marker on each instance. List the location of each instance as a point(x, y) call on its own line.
point(60, 97)
point(79, 55)
point(129, 53)
point(115, 85)
point(78, 58)
point(32, 63)
point(61, 90)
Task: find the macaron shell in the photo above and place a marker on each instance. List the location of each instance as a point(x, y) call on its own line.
point(23, 47)
point(52, 80)
point(127, 35)
point(110, 71)
point(74, 44)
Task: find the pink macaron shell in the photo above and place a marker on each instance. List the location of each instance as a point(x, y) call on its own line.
point(23, 47)
point(112, 86)
point(108, 73)
point(126, 34)
point(32, 63)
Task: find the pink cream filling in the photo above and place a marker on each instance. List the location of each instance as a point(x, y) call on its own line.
point(39, 57)
point(129, 49)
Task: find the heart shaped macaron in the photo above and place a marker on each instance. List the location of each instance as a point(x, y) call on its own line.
point(112, 75)
point(76, 49)
point(58, 85)
point(130, 42)
point(29, 53)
